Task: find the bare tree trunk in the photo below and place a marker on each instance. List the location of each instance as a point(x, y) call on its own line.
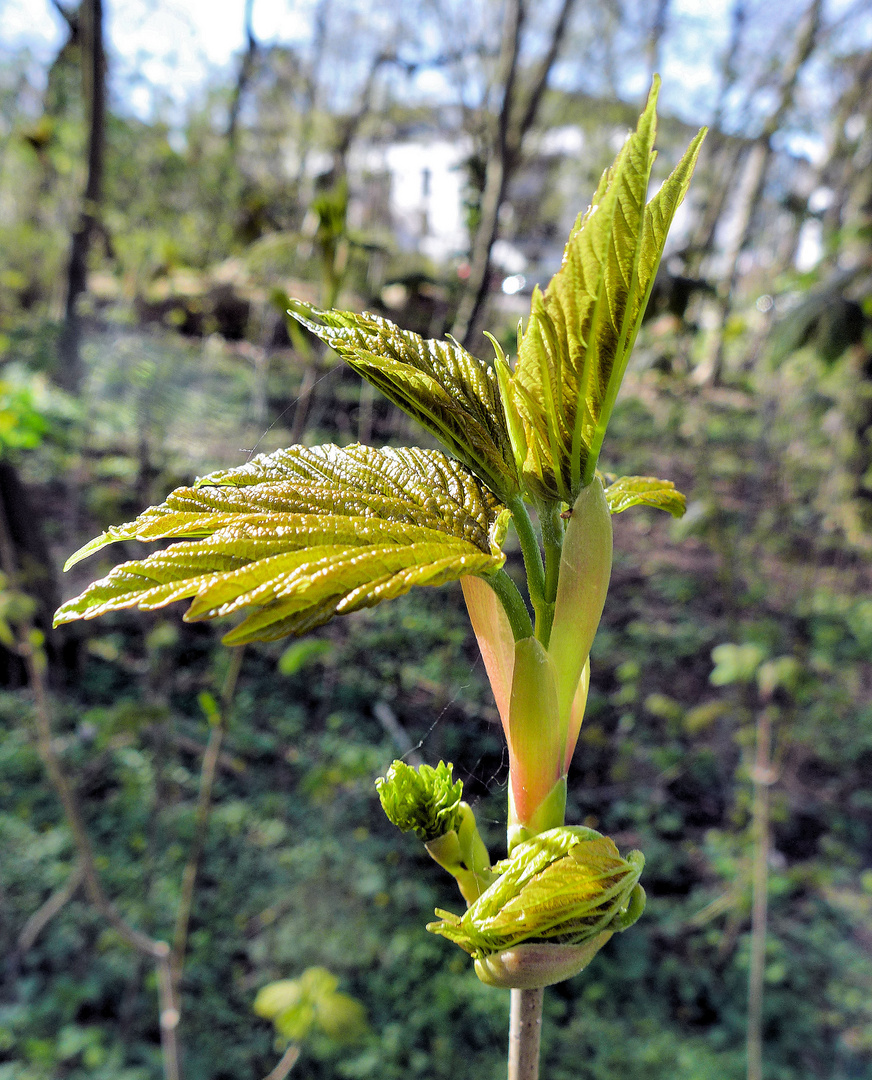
point(711, 369)
point(513, 122)
point(310, 100)
point(246, 68)
point(349, 127)
point(94, 81)
point(472, 304)
point(724, 154)
point(852, 188)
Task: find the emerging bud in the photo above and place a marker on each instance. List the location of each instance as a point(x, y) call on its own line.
point(556, 902)
point(426, 801)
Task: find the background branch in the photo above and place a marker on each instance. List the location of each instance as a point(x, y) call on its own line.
point(40, 919)
point(204, 808)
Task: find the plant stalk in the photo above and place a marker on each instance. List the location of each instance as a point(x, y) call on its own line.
point(513, 604)
point(552, 540)
point(288, 1061)
point(532, 556)
point(525, 1030)
point(762, 777)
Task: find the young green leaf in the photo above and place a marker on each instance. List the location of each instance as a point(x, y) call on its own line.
point(312, 1002)
point(574, 352)
point(302, 535)
point(645, 491)
point(447, 390)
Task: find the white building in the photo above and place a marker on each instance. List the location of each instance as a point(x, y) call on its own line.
point(420, 183)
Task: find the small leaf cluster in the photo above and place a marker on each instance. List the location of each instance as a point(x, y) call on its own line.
point(425, 800)
point(311, 1003)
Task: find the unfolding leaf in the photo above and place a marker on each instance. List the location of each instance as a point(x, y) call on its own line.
point(645, 491)
point(301, 535)
point(567, 884)
point(574, 352)
point(533, 733)
point(446, 389)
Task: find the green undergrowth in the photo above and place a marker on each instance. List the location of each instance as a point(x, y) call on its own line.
point(301, 869)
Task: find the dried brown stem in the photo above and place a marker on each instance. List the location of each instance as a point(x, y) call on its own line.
point(287, 1062)
point(40, 919)
point(169, 1014)
point(762, 778)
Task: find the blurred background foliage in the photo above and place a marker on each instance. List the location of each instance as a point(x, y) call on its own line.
point(146, 253)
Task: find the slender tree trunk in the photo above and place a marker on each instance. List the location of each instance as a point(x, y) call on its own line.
point(655, 37)
point(724, 154)
point(246, 69)
point(472, 305)
point(852, 188)
point(35, 568)
point(757, 167)
point(513, 122)
point(498, 168)
point(321, 20)
point(94, 81)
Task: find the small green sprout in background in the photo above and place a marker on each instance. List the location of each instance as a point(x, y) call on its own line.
point(311, 1009)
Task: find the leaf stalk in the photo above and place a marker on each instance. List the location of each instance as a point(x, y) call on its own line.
point(513, 604)
point(552, 539)
point(532, 553)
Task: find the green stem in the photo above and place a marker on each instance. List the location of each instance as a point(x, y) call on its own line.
point(552, 539)
point(532, 555)
point(513, 603)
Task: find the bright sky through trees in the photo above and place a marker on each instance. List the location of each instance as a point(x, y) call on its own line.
point(165, 50)
point(167, 45)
